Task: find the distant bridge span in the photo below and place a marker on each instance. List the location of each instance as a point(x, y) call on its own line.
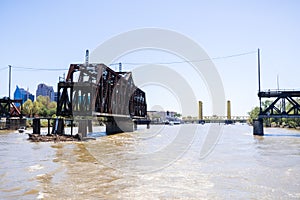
point(218, 119)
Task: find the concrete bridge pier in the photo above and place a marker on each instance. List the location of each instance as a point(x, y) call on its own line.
point(141, 122)
point(58, 126)
point(135, 126)
point(119, 125)
point(36, 126)
point(85, 126)
point(258, 127)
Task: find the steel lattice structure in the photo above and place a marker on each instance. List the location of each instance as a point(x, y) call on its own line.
point(8, 108)
point(97, 90)
point(278, 109)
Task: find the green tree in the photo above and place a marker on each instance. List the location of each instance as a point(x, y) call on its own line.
point(46, 108)
point(44, 112)
point(37, 106)
point(41, 107)
point(266, 104)
point(177, 115)
point(52, 108)
point(253, 114)
point(44, 100)
point(27, 108)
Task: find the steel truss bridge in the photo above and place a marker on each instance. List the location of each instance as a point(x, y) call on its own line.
point(10, 114)
point(226, 119)
point(8, 108)
point(95, 90)
point(219, 119)
point(278, 108)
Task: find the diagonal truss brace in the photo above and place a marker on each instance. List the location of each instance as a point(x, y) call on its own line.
point(278, 109)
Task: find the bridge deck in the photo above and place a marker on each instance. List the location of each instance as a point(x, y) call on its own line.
point(279, 93)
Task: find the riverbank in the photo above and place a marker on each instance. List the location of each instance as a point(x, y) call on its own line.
point(284, 126)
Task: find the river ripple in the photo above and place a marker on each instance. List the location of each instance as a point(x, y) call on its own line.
point(240, 166)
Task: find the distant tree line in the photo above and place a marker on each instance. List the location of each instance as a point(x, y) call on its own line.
point(275, 122)
point(41, 107)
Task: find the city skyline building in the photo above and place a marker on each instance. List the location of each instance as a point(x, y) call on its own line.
point(21, 93)
point(45, 90)
point(55, 96)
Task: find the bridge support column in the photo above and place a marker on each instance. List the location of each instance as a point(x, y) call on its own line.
point(118, 125)
point(228, 110)
point(135, 125)
point(36, 125)
point(84, 127)
point(141, 122)
point(58, 127)
point(258, 127)
point(200, 111)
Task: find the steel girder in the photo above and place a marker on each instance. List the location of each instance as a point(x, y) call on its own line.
point(98, 89)
point(8, 108)
point(278, 109)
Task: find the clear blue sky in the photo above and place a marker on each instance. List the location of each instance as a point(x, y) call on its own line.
point(54, 34)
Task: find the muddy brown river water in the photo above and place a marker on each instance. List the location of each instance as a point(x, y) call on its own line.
point(155, 164)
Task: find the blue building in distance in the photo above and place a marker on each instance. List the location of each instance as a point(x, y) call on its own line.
point(45, 90)
point(21, 93)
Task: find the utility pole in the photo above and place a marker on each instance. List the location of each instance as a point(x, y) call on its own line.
point(120, 67)
point(277, 82)
point(9, 80)
point(258, 64)
point(87, 58)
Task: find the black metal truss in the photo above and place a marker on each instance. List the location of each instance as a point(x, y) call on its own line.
point(101, 90)
point(8, 108)
point(278, 109)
